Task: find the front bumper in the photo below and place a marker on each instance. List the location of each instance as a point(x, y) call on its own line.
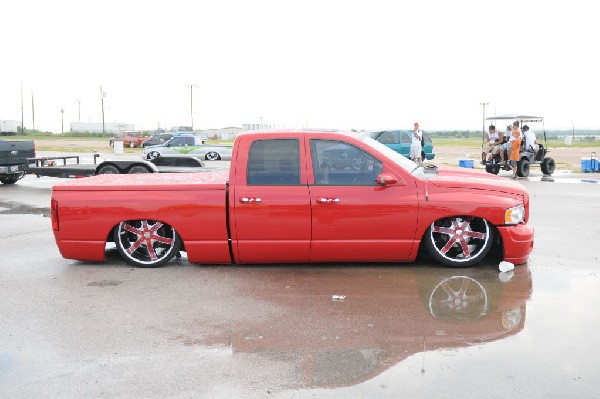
point(518, 242)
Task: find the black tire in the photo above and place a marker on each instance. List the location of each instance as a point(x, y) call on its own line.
point(131, 144)
point(108, 170)
point(138, 169)
point(146, 243)
point(548, 165)
point(212, 156)
point(9, 180)
point(422, 156)
point(492, 168)
point(153, 155)
point(523, 167)
point(459, 241)
point(111, 143)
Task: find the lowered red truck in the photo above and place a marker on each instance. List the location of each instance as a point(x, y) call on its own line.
point(296, 197)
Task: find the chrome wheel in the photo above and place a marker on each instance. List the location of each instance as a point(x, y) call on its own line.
point(153, 155)
point(459, 241)
point(146, 243)
point(212, 156)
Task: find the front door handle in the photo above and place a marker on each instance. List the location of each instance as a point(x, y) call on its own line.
point(250, 200)
point(323, 200)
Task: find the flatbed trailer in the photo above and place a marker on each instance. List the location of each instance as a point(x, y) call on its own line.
point(71, 167)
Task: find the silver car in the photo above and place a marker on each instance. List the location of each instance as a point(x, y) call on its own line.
point(189, 146)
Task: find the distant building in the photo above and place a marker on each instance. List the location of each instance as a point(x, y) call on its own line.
point(82, 127)
point(9, 127)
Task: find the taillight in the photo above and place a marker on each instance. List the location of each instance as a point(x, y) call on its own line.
point(54, 214)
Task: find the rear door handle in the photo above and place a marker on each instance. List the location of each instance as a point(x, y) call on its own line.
point(250, 200)
point(323, 200)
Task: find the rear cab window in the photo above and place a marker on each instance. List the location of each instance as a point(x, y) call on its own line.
point(274, 162)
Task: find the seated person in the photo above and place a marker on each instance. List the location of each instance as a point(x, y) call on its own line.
point(492, 143)
point(530, 140)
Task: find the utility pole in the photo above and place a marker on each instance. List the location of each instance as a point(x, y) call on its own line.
point(79, 109)
point(191, 86)
point(22, 121)
point(483, 123)
point(62, 120)
point(32, 110)
point(102, 95)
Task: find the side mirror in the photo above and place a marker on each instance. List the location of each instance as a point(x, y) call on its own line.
point(386, 179)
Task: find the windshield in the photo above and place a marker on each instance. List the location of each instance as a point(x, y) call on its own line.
point(400, 160)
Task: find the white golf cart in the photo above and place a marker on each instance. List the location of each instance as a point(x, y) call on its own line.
point(527, 157)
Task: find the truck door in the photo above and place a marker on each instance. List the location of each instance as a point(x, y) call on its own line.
point(271, 206)
point(353, 219)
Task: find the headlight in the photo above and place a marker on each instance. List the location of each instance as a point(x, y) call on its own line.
point(515, 215)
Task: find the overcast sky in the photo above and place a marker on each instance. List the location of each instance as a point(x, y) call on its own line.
point(334, 64)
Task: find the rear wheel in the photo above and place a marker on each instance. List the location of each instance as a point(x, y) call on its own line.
point(548, 166)
point(459, 241)
point(146, 243)
point(131, 144)
point(138, 169)
point(10, 179)
point(212, 156)
point(492, 168)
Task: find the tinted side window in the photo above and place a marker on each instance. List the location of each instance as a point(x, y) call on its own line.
point(274, 162)
point(337, 163)
point(406, 137)
point(390, 138)
point(175, 142)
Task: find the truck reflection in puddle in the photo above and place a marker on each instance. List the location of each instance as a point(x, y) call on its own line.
point(340, 326)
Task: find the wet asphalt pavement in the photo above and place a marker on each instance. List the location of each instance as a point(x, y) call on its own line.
point(75, 329)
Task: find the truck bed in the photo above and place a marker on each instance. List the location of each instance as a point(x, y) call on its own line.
point(149, 182)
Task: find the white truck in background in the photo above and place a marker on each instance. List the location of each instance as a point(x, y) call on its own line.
point(9, 128)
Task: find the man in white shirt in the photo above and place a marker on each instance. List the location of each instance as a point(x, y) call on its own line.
point(491, 145)
point(530, 140)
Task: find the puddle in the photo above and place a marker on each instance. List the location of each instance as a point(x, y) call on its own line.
point(12, 208)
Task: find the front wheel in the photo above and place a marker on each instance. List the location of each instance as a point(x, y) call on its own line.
point(131, 144)
point(109, 170)
point(153, 155)
point(146, 243)
point(459, 241)
point(523, 168)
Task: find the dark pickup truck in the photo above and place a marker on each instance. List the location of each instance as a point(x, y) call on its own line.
point(13, 159)
point(18, 158)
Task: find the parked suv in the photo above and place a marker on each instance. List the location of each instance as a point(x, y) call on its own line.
point(399, 141)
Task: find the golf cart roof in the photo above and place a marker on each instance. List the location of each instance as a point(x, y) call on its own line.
point(520, 117)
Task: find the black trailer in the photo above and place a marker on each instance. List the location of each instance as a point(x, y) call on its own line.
point(71, 167)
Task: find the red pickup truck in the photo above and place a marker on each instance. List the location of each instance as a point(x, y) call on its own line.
point(296, 197)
